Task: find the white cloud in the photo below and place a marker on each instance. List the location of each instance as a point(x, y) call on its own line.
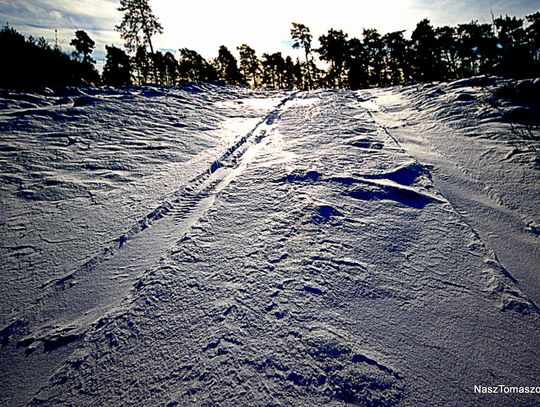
point(40, 18)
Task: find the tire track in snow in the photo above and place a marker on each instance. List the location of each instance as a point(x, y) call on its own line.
point(332, 365)
point(73, 302)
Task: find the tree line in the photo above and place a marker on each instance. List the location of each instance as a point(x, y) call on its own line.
point(32, 63)
point(509, 47)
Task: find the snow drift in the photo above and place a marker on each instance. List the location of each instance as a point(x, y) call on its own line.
point(223, 246)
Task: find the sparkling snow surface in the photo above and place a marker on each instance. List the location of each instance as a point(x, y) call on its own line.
point(220, 246)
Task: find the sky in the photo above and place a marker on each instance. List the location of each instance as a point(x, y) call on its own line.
point(204, 25)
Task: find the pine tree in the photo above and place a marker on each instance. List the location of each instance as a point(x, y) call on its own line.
point(515, 58)
point(138, 25)
point(227, 67)
point(395, 47)
point(273, 70)
point(302, 37)
point(84, 45)
point(249, 64)
point(447, 40)
point(192, 67)
point(117, 69)
point(426, 66)
point(357, 65)
point(374, 47)
point(334, 49)
point(533, 40)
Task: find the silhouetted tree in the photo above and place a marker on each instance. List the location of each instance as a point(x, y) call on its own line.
point(476, 48)
point(138, 25)
point(249, 64)
point(273, 70)
point(515, 58)
point(13, 46)
point(447, 41)
point(170, 66)
point(302, 38)
point(158, 66)
point(396, 57)
point(533, 39)
point(192, 67)
point(141, 63)
point(357, 65)
point(374, 48)
point(466, 49)
point(288, 73)
point(84, 45)
point(487, 49)
point(298, 76)
point(319, 76)
point(227, 67)
point(334, 50)
point(117, 69)
point(425, 59)
point(268, 77)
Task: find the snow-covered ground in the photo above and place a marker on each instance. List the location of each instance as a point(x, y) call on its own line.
point(220, 246)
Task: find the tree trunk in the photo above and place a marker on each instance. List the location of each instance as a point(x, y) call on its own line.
point(152, 58)
point(308, 69)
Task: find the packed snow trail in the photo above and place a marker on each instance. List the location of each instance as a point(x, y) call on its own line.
point(76, 300)
point(322, 266)
point(91, 245)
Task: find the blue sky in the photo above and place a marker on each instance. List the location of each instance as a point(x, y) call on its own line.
point(204, 25)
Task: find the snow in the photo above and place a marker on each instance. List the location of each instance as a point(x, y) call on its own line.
point(486, 167)
point(212, 245)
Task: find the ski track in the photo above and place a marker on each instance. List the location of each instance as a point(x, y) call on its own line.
point(299, 265)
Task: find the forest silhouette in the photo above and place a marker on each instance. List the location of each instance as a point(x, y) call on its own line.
point(509, 47)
